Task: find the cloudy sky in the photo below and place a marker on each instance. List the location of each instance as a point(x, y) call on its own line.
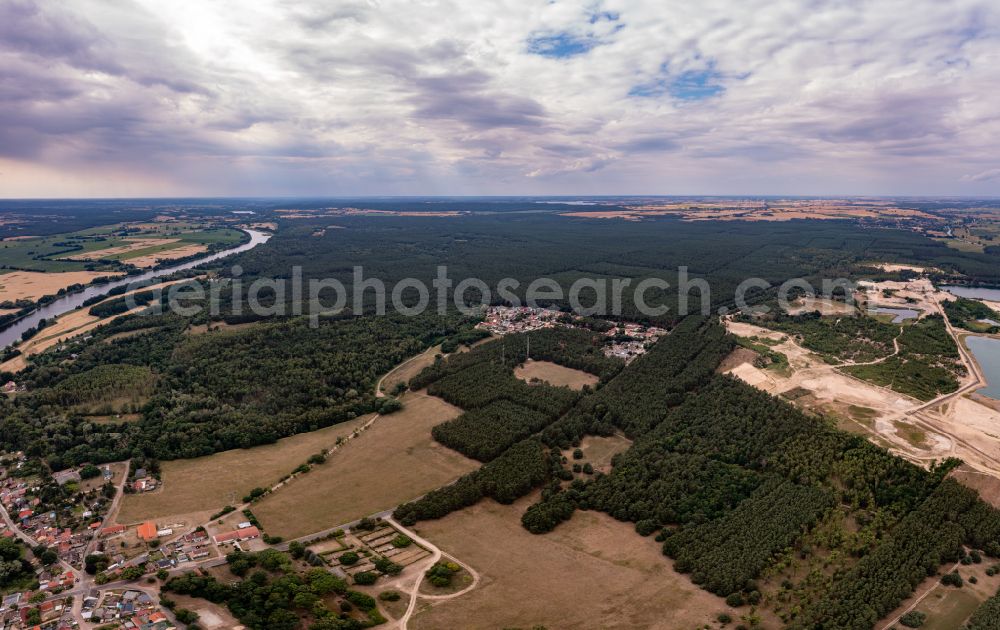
point(344, 97)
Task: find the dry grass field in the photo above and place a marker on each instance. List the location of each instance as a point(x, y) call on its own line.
point(131, 245)
point(598, 451)
point(32, 285)
point(946, 607)
point(209, 483)
point(408, 369)
point(392, 462)
point(148, 260)
point(554, 374)
point(591, 572)
point(210, 616)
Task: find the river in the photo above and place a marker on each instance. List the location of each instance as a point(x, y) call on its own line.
point(73, 301)
point(987, 353)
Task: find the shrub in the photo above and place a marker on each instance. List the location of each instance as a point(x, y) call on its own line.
point(389, 596)
point(349, 558)
point(735, 600)
point(952, 579)
point(387, 566)
point(440, 574)
point(365, 578)
point(402, 540)
point(362, 601)
point(913, 619)
point(723, 618)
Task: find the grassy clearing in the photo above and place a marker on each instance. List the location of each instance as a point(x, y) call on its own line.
point(407, 370)
point(554, 374)
point(591, 572)
point(209, 483)
point(911, 434)
point(394, 461)
point(598, 451)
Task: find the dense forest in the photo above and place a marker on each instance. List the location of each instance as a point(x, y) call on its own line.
point(731, 479)
point(208, 393)
point(987, 616)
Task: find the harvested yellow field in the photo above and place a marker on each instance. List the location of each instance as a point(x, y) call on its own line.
point(212, 482)
point(31, 285)
point(133, 245)
point(590, 572)
point(554, 374)
point(392, 462)
point(148, 260)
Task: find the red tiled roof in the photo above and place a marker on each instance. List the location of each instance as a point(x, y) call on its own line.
point(147, 531)
point(238, 534)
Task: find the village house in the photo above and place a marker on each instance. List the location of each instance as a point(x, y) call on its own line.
point(244, 533)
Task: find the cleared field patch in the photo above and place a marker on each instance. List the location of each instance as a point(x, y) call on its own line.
point(598, 451)
point(209, 483)
point(591, 572)
point(947, 607)
point(129, 245)
point(149, 258)
point(985, 484)
point(31, 285)
point(825, 306)
point(210, 616)
point(394, 461)
point(554, 374)
point(408, 369)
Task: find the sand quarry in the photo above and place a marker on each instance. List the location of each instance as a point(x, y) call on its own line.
point(961, 424)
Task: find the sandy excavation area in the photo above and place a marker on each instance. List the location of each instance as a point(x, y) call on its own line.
point(825, 306)
point(31, 285)
point(918, 295)
point(954, 427)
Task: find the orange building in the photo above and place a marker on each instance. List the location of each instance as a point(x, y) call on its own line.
point(147, 531)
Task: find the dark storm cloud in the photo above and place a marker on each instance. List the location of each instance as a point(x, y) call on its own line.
point(649, 144)
point(467, 98)
point(28, 29)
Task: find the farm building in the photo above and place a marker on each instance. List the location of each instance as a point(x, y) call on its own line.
point(245, 533)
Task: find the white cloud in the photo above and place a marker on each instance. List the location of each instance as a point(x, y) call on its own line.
point(282, 97)
point(990, 175)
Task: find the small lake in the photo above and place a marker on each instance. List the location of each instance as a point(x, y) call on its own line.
point(974, 293)
point(901, 314)
point(75, 300)
point(987, 353)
